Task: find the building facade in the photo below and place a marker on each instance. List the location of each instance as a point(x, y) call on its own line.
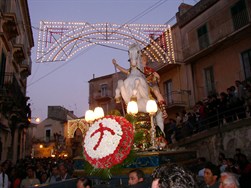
point(49, 137)
point(16, 41)
point(216, 44)
point(212, 48)
point(102, 92)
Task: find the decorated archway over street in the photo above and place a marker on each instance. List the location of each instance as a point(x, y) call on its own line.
point(59, 41)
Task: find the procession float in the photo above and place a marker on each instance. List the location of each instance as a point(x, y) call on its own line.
point(116, 143)
point(113, 144)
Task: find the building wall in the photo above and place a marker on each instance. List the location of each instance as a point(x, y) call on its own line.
point(57, 141)
point(223, 52)
point(226, 64)
point(225, 139)
point(97, 97)
point(16, 41)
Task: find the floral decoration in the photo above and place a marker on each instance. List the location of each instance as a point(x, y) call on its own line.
point(108, 141)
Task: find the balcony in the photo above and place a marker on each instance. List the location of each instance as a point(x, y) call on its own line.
point(43, 140)
point(103, 97)
point(10, 27)
point(178, 99)
point(25, 68)
point(12, 95)
point(19, 54)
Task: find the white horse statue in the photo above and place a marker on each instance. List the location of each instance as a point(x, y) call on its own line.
point(135, 86)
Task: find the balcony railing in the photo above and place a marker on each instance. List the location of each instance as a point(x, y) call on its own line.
point(49, 139)
point(194, 124)
point(178, 98)
point(12, 90)
point(103, 96)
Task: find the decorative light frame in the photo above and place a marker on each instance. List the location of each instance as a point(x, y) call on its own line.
point(59, 41)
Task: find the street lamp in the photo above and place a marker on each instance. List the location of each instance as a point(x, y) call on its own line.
point(37, 119)
point(132, 108)
point(91, 115)
point(98, 113)
point(152, 108)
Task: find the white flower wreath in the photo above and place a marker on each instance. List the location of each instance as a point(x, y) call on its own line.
point(101, 131)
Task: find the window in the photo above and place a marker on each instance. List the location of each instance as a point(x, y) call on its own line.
point(246, 60)
point(209, 78)
point(47, 135)
point(103, 90)
point(239, 14)
point(168, 91)
point(2, 68)
point(203, 37)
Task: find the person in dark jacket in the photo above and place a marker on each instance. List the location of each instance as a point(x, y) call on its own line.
point(137, 179)
point(63, 172)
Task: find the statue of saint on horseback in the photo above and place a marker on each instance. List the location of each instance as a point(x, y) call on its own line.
point(140, 84)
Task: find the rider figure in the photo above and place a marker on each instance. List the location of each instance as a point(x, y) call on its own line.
point(152, 78)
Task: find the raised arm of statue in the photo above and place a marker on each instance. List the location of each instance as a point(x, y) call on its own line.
point(126, 71)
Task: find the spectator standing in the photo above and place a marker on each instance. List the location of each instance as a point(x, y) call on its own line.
point(245, 172)
point(237, 155)
point(63, 172)
point(44, 177)
point(241, 99)
point(201, 112)
point(178, 120)
point(4, 180)
point(231, 166)
point(137, 179)
point(30, 180)
point(223, 107)
point(54, 175)
point(211, 176)
point(228, 180)
point(16, 177)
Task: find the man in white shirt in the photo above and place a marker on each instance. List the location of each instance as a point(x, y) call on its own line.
point(30, 180)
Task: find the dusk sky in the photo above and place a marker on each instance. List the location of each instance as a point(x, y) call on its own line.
point(66, 83)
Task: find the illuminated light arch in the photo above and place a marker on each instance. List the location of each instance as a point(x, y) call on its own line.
point(73, 125)
point(59, 41)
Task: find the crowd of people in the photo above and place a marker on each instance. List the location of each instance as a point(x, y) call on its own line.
point(29, 172)
point(230, 172)
point(229, 106)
